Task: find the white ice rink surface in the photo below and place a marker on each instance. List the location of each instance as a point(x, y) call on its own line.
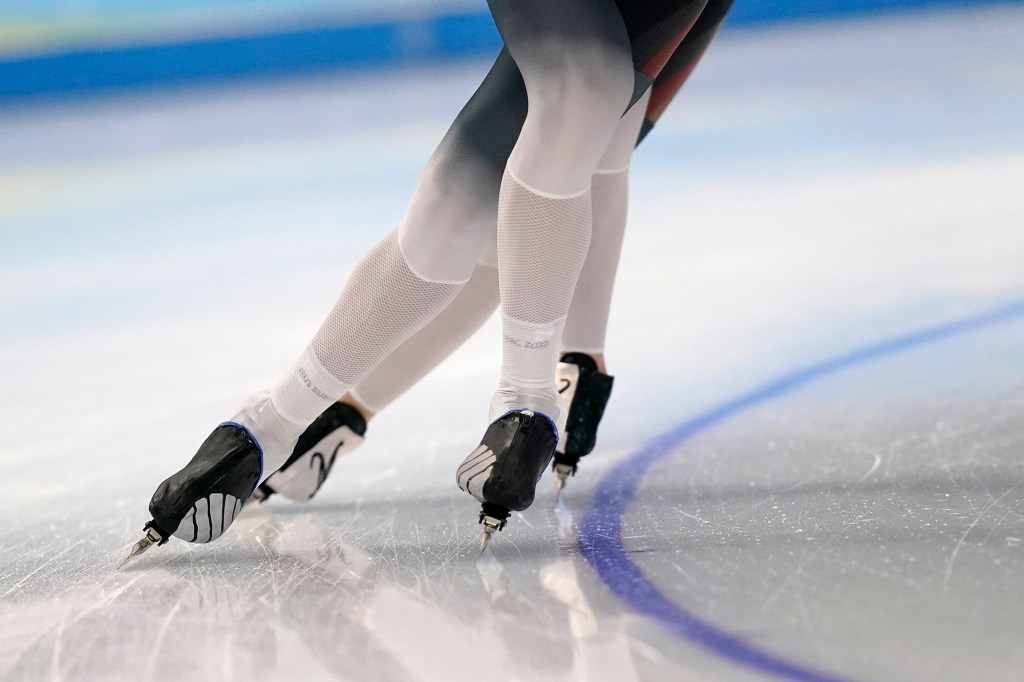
point(815, 190)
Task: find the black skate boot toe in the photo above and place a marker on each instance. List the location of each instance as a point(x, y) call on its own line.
point(586, 391)
point(502, 472)
point(198, 503)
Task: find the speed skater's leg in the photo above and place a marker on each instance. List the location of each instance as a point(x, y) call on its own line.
point(342, 426)
point(432, 344)
point(581, 375)
point(384, 302)
point(587, 321)
point(417, 270)
point(407, 279)
point(575, 61)
point(584, 385)
point(577, 67)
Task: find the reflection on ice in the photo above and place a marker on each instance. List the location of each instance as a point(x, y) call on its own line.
point(285, 596)
point(559, 578)
point(490, 572)
point(566, 527)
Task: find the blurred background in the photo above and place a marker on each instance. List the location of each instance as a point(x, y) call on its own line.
point(55, 47)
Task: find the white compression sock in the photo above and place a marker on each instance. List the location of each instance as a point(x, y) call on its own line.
point(384, 303)
point(542, 243)
point(587, 323)
point(411, 361)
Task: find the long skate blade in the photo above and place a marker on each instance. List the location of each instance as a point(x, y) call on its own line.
point(485, 539)
point(140, 547)
point(562, 474)
point(154, 536)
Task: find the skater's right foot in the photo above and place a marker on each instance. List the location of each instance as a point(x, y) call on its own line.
point(198, 503)
point(585, 390)
point(338, 431)
point(502, 472)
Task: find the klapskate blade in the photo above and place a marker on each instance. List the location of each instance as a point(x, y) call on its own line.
point(485, 539)
point(138, 548)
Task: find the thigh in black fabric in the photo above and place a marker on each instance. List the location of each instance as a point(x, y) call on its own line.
point(476, 148)
point(684, 60)
point(655, 29)
point(454, 208)
point(550, 38)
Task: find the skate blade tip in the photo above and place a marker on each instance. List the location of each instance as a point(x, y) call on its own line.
point(137, 549)
point(124, 562)
point(485, 539)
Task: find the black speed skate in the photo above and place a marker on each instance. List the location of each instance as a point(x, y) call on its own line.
point(502, 472)
point(585, 391)
point(198, 503)
point(338, 431)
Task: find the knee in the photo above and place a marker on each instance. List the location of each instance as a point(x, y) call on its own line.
point(577, 67)
point(447, 221)
point(588, 88)
point(575, 105)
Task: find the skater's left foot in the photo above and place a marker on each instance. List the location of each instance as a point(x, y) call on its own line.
point(502, 472)
point(198, 503)
point(585, 388)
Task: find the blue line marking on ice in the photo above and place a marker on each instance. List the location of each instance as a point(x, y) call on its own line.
point(600, 530)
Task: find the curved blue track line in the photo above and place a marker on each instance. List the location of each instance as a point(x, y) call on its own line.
point(600, 530)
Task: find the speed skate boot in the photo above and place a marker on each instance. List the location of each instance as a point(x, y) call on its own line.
point(503, 471)
point(585, 391)
point(198, 503)
point(338, 431)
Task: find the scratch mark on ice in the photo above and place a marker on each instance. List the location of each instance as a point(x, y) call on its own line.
point(874, 467)
point(963, 538)
point(43, 565)
point(160, 635)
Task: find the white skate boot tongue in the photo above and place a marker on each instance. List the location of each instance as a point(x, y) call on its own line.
point(275, 434)
point(543, 400)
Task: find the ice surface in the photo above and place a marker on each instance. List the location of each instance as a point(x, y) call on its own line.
point(816, 189)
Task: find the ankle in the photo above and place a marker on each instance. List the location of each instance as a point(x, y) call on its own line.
point(544, 400)
point(365, 412)
point(598, 358)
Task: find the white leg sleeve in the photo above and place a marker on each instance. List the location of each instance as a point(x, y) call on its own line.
point(436, 341)
point(542, 242)
point(410, 276)
point(384, 303)
point(577, 67)
point(588, 316)
point(587, 323)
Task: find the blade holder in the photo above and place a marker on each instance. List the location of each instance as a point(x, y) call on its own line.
point(156, 534)
point(493, 516)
